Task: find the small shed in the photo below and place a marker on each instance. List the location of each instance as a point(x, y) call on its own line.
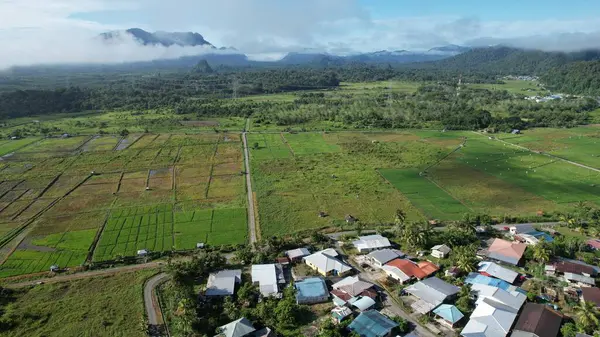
point(54, 268)
point(516, 132)
point(142, 252)
point(440, 251)
point(200, 245)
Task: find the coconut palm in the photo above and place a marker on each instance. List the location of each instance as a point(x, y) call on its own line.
point(464, 259)
point(541, 253)
point(586, 316)
point(399, 219)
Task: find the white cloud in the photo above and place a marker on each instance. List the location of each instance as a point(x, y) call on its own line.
point(59, 31)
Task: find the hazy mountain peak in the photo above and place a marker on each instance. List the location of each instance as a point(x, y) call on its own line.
point(167, 39)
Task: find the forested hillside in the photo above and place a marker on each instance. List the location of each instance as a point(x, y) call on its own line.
point(577, 78)
point(511, 61)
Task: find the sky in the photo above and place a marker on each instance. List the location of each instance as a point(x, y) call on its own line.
point(64, 31)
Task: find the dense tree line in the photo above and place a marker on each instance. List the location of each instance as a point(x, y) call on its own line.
point(576, 78)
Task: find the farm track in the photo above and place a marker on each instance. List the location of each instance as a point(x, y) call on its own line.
point(249, 192)
point(156, 323)
point(547, 155)
point(83, 275)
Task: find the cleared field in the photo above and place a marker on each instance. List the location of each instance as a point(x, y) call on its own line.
point(425, 194)
point(528, 88)
point(80, 308)
point(309, 143)
point(268, 146)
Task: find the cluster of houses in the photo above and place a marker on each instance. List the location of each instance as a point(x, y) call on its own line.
point(501, 307)
point(539, 99)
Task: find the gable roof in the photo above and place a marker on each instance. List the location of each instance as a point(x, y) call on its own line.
point(352, 285)
point(374, 241)
point(489, 319)
point(298, 252)
point(223, 282)
point(326, 261)
point(591, 294)
point(449, 312)
point(239, 328)
point(266, 277)
point(397, 272)
point(495, 270)
point(513, 300)
point(427, 267)
point(442, 248)
point(372, 323)
point(475, 278)
point(364, 303)
point(575, 268)
point(433, 291)
point(420, 270)
point(385, 255)
point(538, 320)
point(506, 251)
point(580, 278)
point(594, 243)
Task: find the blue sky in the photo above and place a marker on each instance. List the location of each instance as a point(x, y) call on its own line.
point(268, 29)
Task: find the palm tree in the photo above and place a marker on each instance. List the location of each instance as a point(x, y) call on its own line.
point(399, 219)
point(586, 315)
point(464, 259)
point(541, 253)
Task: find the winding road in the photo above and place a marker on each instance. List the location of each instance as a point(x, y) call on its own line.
point(156, 325)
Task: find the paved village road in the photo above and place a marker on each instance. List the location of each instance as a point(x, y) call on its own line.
point(153, 311)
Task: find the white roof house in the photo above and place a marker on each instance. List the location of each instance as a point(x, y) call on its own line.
point(297, 253)
point(326, 263)
point(371, 242)
point(497, 271)
point(268, 277)
point(440, 251)
point(512, 299)
point(431, 293)
point(580, 279)
point(223, 283)
point(395, 273)
point(490, 319)
point(383, 256)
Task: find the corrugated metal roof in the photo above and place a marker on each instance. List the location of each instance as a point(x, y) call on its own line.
point(372, 324)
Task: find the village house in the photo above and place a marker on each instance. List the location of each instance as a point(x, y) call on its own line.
point(268, 277)
point(403, 270)
point(379, 258)
point(538, 320)
point(326, 263)
point(448, 314)
point(311, 290)
point(431, 293)
point(372, 324)
point(495, 270)
point(591, 294)
point(352, 291)
point(506, 251)
point(369, 243)
point(223, 283)
point(440, 251)
point(298, 254)
point(242, 328)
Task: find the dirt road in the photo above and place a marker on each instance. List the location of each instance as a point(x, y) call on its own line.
point(83, 275)
point(251, 212)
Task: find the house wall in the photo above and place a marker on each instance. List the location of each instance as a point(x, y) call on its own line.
point(438, 254)
point(313, 267)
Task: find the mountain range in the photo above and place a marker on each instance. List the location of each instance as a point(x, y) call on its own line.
point(190, 39)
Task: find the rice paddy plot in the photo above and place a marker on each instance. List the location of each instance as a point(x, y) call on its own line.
point(268, 146)
point(310, 143)
point(227, 226)
point(128, 230)
point(425, 195)
point(8, 146)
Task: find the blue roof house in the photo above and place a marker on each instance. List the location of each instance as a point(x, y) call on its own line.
point(311, 290)
point(449, 313)
point(372, 324)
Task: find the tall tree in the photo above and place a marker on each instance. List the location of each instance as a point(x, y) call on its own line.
point(586, 314)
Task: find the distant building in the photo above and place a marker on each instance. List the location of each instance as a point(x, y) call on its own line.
point(537, 320)
point(326, 263)
point(311, 290)
point(142, 252)
point(371, 242)
point(440, 251)
point(372, 324)
point(223, 283)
